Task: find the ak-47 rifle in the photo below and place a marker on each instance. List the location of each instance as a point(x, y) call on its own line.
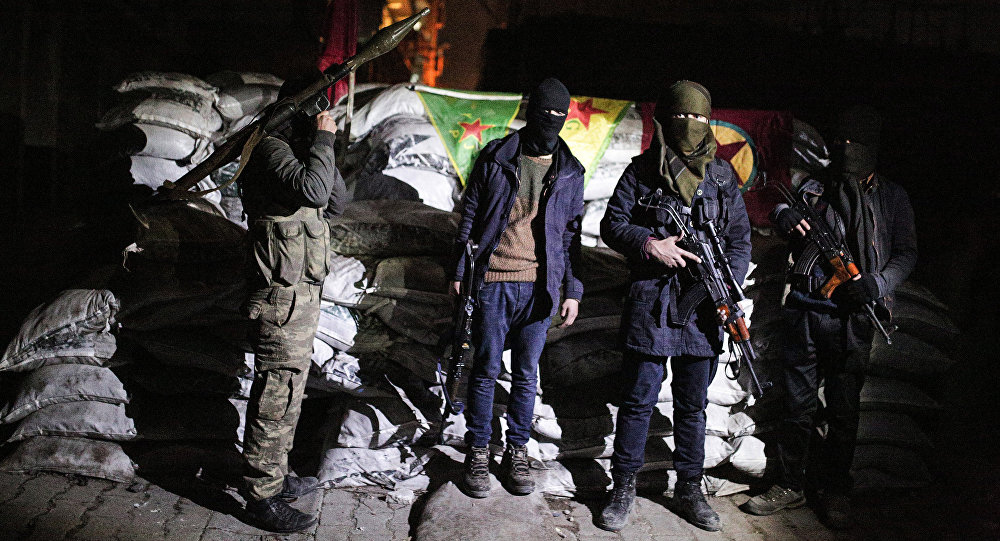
point(308, 101)
point(822, 242)
point(461, 347)
point(714, 277)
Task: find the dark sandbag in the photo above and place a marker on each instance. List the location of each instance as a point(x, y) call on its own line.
point(188, 417)
point(69, 455)
point(186, 235)
point(580, 358)
point(192, 348)
point(397, 276)
point(930, 324)
point(603, 269)
point(380, 229)
point(884, 394)
point(449, 515)
point(88, 419)
point(897, 429)
point(72, 328)
point(149, 375)
point(887, 466)
point(907, 358)
point(378, 185)
point(911, 292)
point(226, 79)
point(60, 383)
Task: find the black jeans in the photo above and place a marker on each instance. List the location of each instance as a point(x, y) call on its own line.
point(642, 376)
point(821, 347)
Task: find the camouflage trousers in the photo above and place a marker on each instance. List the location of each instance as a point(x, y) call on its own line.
point(286, 318)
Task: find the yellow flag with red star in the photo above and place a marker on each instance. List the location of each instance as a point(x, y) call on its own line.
point(466, 121)
point(589, 125)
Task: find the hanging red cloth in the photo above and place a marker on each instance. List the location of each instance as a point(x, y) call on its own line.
point(340, 35)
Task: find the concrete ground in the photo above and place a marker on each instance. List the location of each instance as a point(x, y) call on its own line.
point(49, 507)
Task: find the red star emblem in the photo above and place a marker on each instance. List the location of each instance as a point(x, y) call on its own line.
point(473, 129)
point(582, 111)
point(727, 151)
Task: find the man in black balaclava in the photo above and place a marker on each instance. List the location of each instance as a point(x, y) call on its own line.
point(289, 180)
point(681, 166)
point(522, 206)
point(831, 339)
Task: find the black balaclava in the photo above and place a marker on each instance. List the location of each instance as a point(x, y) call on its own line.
point(682, 147)
point(540, 133)
point(854, 155)
point(857, 135)
point(300, 128)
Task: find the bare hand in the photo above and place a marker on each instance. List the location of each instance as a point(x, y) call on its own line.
point(667, 252)
point(570, 309)
point(325, 122)
point(455, 288)
point(802, 227)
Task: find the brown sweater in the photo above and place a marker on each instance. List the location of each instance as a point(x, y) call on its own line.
point(515, 259)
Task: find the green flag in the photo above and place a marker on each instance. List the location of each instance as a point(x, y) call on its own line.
point(466, 121)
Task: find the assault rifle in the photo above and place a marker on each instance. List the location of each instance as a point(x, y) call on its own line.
point(823, 243)
point(461, 346)
point(714, 279)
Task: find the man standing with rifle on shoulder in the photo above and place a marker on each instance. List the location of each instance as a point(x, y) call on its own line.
point(678, 169)
point(853, 241)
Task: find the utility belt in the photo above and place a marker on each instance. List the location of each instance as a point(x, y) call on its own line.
point(292, 249)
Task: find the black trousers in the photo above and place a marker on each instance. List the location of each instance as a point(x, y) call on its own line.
point(832, 350)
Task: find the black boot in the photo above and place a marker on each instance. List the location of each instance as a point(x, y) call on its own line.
point(477, 472)
point(689, 503)
point(294, 487)
point(516, 471)
point(614, 516)
point(274, 515)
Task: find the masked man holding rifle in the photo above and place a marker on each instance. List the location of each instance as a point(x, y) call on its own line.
point(829, 339)
point(289, 180)
point(681, 165)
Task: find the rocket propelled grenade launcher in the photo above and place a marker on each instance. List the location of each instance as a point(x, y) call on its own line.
point(310, 101)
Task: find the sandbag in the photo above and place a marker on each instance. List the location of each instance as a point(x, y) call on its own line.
point(723, 390)
point(353, 467)
point(913, 293)
point(396, 276)
point(188, 236)
point(897, 396)
point(373, 336)
point(63, 383)
point(423, 322)
point(603, 269)
point(897, 429)
point(908, 357)
point(88, 419)
point(417, 358)
point(72, 328)
point(583, 325)
point(189, 112)
point(337, 326)
point(579, 358)
point(918, 319)
point(387, 228)
point(590, 229)
point(895, 463)
point(340, 374)
point(148, 374)
point(192, 348)
point(144, 80)
point(346, 283)
point(748, 456)
point(226, 79)
point(159, 142)
point(380, 422)
point(69, 455)
point(191, 417)
point(157, 300)
point(717, 450)
point(236, 102)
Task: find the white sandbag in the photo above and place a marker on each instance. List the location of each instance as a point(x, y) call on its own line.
point(226, 79)
point(169, 144)
point(153, 172)
point(386, 228)
point(593, 213)
point(717, 450)
point(69, 455)
point(88, 419)
point(353, 467)
point(724, 391)
point(339, 374)
point(346, 283)
point(893, 395)
point(189, 112)
point(321, 353)
point(337, 326)
point(580, 358)
point(380, 422)
point(72, 328)
point(63, 383)
point(144, 80)
point(435, 189)
point(236, 102)
point(748, 456)
point(395, 100)
point(741, 424)
point(717, 420)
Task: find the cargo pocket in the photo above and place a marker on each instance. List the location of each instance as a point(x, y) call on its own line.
point(279, 306)
point(317, 244)
point(637, 323)
point(277, 394)
point(288, 251)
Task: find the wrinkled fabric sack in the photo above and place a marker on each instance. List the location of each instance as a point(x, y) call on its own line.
point(189, 112)
point(63, 383)
point(449, 515)
point(338, 327)
point(346, 283)
point(191, 418)
point(580, 358)
point(73, 328)
point(344, 468)
point(899, 396)
point(88, 419)
point(193, 349)
point(908, 358)
point(387, 228)
point(69, 455)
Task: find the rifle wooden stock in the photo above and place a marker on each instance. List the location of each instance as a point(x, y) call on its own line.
point(843, 272)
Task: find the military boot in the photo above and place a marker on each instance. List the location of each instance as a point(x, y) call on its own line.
point(274, 515)
point(294, 487)
point(774, 499)
point(477, 472)
point(835, 511)
point(689, 503)
point(515, 470)
point(614, 516)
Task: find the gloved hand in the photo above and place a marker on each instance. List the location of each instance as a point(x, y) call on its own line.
point(863, 290)
point(788, 220)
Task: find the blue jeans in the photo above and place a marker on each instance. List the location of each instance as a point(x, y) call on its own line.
point(642, 377)
point(507, 313)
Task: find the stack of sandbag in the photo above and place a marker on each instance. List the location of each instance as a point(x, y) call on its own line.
point(166, 123)
point(241, 97)
point(65, 409)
